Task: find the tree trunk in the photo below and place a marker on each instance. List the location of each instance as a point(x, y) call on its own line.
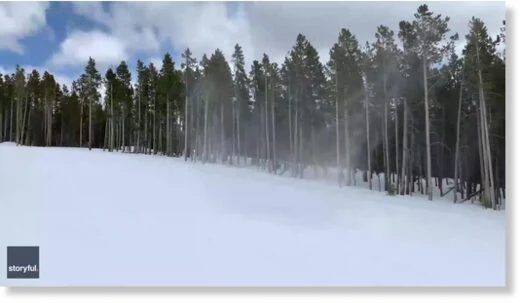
point(146, 142)
point(457, 146)
point(139, 127)
point(233, 132)
point(313, 150)
point(168, 134)
point(205, 153)
point(266, 122)
point(61, 128)
point(106, 141)
point(385, 133)
point(123, 133)
point(273, 128)
point(398, 183)
point(28, 132)
point(186, 130)
point(197, 128)
point(441, 164)
point(24, 117)
point(4, 135)
point(111, 119)
point(369, 154)
point(338, 157)
point(348, 173)
point(81, 124)
point(154, 148)
point(301, 158)
point(402, 189)
point(480, 150)
point(488, 167)
point(160, 146)
point(90, 123)
point(222, 148)
point(413, 156)
point(291, 142)
point(295, 144)
point(427, 132)
point(238, 136)
point(49, 121)
point(11, 121)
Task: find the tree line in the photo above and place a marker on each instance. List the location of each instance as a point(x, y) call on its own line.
point(405, 107)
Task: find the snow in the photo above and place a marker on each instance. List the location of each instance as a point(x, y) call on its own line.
point(113, 219)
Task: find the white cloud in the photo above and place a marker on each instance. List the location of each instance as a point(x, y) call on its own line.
point(201, 26)
point(79, 46)
point(20, 20)
point(265, 27)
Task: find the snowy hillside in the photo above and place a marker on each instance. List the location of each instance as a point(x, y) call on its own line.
point(117, 219)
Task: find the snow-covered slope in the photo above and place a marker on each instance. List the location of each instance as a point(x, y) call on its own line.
point(116, 219)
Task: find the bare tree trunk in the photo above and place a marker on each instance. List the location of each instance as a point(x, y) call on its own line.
point(168, 134)
point(273, 128)
point(397, 147)
point(369, 154)
point(385, 133)
point(49, 121)
point(17, 123)
point(205, 153)
point(402, 188)
point(11, 121)
point(197, 128)
point(348, 173)
point(238, 136)
point(291, 142)
point(313, 150)
point(233, 131)
point(106, 140)
point(222, 148)
point(480, 151)
point(427, 132)
point(413, 152)
point(90, 123)
point(139, 127)
point(111, 119)
point(154, 126)
point(266, 122)
point(457, 146)
point(24, 117)
point(441, 164)
point(488, 165)
point(61, 128)
point(146, 142)
point(261, 135)
point(338, 157)
point(3, 132)
point(28, 132)
point(186, 125)
point(81, 124)
point(160, 144)
point(295, 144)
point(123, 133)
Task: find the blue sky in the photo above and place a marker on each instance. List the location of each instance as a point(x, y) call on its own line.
point(60, 36)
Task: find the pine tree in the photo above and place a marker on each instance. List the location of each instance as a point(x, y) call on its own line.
point(90, 82)
point(430, 32)
point(241, 94)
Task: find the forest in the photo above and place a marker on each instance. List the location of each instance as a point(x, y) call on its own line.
point(404, 106)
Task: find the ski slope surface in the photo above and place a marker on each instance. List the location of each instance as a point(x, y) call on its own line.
point(113, 219)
